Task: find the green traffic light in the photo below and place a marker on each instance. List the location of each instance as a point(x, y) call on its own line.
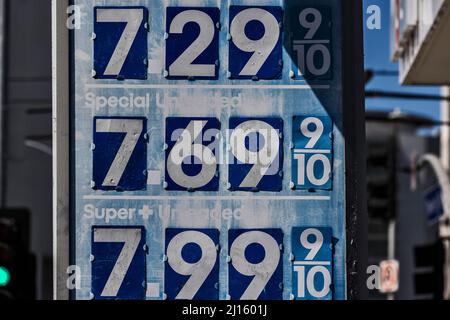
point(5, 277)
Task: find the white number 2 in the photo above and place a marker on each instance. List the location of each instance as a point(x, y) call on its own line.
point(184, 66)
point(261, 48)
point(133, 129)
point(133, 19)
point(262, 271)
point(198, 271)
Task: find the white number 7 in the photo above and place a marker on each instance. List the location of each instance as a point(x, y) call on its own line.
point(131, 239)
point(133, 18)
point(133, 129)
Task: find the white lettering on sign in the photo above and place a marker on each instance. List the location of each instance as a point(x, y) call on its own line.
point(108, 214)
point(166, 101)
point(145, 212)
point(128, 102)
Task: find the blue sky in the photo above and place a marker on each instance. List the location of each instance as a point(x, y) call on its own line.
point(377, 57)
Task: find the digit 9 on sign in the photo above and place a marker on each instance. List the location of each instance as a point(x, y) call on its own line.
point(256, 154)
point(255, 42)
point(192, 267)
point(255, 271)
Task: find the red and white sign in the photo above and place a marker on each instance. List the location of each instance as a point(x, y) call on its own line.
point(389, 276)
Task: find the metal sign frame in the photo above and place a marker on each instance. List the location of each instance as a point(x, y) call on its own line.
point(353, 133)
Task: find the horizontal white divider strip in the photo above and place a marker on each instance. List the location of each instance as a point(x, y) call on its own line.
point(311, 151)
point(312, 263)
point(208, 198)
point(208, 86)
point(311, 41)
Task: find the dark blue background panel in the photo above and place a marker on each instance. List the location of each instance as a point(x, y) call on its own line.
point(247, 137)
point(256, 50)
point(114, 277)
point(312, 156)
point(192, 154)
point(192, 266)
point(120, 153)
point(256, 267)
point(192, 46)
point(121, 43)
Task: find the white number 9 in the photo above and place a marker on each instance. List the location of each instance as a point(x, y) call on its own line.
point(314, 135)
point(261, 159)
point(314, 246)
point(198, 271)
point(262, 271)
point(261, 48)
point(313, 25)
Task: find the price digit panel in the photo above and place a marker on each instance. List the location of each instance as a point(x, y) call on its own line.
point(256, 264)
point(313, 263)
point(192, 44)
point(310, 29)
point(118, 264)
point(119, 154)
point(192, 264)
point(256, 159)
point(120, 43)
point(312, 156)
point(192, 146)
point(255, 50)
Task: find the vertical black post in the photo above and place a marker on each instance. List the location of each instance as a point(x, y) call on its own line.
point(354, 132)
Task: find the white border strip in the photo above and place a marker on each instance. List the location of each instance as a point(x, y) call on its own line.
point(61, 189)
point(207, 198)
point(207, 86)
point(312, 263)
point(312, 151)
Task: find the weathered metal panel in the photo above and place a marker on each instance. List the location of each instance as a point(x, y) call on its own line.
point(158, 98)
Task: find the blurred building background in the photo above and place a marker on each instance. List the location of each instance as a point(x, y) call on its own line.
point(400, 227)
point(404, 200)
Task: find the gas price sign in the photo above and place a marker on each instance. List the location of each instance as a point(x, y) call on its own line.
point(208, 157)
